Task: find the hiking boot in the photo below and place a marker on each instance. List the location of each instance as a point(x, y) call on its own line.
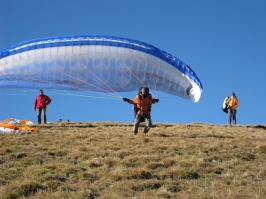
point(146, 130)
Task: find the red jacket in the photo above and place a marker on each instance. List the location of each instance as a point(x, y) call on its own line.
point(41, 101)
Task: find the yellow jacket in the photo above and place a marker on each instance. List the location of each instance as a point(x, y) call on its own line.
point(232, 102)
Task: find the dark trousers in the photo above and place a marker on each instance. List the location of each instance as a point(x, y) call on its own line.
point(137, 121)
point(232, 116)
point(41, 111)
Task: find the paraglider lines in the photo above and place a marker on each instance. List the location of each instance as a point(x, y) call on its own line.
point(64, 92)
point(154, 82)
point(68, 86)
point(103, 83)
point(135, 76)
point(166, 89)
point(89, 84)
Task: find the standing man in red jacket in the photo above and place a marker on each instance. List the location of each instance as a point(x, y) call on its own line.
point(40, 103)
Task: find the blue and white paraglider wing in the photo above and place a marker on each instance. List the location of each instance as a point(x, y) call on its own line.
point(96, 63)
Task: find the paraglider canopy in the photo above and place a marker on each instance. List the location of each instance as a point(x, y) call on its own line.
point(96, 63)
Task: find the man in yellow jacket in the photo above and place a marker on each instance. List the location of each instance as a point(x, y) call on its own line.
point(233, 104)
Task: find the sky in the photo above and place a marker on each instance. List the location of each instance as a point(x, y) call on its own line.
point(223, 41)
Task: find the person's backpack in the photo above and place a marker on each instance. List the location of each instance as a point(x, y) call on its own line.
point(225, 106)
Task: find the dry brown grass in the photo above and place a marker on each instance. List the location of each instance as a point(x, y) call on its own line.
point(105, 160)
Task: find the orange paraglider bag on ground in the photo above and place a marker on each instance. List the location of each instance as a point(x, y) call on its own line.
point(11, 128)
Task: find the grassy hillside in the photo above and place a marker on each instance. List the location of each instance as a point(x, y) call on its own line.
point(105, 160)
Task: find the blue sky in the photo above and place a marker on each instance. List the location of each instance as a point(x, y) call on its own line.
point(223, 41)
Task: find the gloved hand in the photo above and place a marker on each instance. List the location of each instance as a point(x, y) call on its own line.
point(156, 100)
point(126, 100)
